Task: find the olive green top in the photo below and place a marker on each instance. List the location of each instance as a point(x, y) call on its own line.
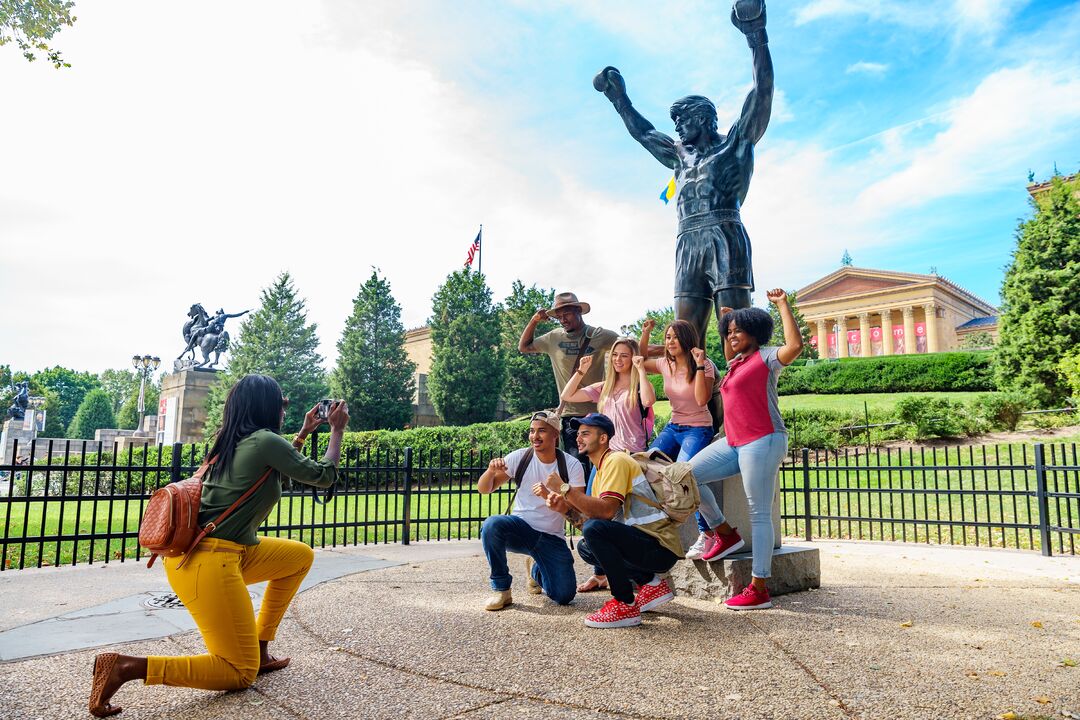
point(256, 452)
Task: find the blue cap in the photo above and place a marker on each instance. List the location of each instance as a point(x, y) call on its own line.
point(598, 420)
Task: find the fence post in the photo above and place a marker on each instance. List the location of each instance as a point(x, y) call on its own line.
point(177, 457)
point(1040, 496)
point(407, 516)
point(806, 491)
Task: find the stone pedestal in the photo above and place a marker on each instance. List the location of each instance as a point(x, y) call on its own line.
point(15, 430)
point(794, 568)
point(183, 395)
point(732, 500)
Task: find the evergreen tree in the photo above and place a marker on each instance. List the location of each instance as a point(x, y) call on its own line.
point(468, 369)
point(1040, 319)
point(374, 374)
point(95, 412)
point(777, 338)
point(275, 340)
point(530, 384)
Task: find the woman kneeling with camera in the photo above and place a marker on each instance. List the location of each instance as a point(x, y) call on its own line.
point(212, 583)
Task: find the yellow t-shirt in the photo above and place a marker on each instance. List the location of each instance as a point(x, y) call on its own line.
point(620, 477)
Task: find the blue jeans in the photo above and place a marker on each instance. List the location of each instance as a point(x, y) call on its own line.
point(554, 568)
point(682, 443)
point(759, 463)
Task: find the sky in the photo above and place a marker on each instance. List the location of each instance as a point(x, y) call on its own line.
point(196, 150)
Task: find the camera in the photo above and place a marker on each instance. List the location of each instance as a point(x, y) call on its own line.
point(322, 410)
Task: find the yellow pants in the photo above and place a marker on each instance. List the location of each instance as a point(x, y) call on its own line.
point(213, 587)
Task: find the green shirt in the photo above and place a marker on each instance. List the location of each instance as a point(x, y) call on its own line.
point(256, 452)
point(562, 348)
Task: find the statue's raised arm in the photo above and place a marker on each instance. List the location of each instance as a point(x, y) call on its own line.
point(749, 17)
point(610, 82)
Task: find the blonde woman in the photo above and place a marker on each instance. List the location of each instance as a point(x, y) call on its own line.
point(626, 396)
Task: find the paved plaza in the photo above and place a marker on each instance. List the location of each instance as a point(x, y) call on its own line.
point(896, 631)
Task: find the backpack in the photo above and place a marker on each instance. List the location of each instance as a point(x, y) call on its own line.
point(648, 417)
point(170, 522)
point(673, 483)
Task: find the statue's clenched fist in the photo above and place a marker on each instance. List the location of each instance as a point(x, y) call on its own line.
point(749, 16)
point(610, 82)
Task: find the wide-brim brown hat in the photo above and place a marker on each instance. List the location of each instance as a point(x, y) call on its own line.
point(568, 299)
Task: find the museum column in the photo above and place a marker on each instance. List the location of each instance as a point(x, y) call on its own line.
point(910, 346)
point(886, 332)
point(823, 339)
point(932, 342)
point(866, 348)
point(841, 337)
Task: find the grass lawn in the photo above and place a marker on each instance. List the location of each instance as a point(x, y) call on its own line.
point(877, 402)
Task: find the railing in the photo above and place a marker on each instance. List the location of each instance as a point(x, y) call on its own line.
point(1019, 496)
point(82, 504)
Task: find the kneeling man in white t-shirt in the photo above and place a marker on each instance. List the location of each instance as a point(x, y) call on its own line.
point(532, 528)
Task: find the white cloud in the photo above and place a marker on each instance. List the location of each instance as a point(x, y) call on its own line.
point(979, 18)
point(867, 68)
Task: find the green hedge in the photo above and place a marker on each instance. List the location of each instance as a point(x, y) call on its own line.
point(936, 372)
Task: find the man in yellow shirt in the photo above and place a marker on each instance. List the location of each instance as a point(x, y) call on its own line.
point(630, 539)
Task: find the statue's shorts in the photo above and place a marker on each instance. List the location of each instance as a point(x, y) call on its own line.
point(712, 253)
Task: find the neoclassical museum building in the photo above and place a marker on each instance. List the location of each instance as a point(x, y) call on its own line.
point(882, 312)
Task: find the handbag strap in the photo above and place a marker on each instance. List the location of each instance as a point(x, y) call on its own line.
point(213, 524)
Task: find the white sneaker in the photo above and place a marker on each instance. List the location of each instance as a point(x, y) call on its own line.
point(702, 545)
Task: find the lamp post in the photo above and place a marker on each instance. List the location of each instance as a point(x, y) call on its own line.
point(144, 365)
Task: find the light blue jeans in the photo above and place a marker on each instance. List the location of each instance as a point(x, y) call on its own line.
point(759, 463)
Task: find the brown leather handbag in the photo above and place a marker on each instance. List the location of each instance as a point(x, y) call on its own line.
point(170, 522)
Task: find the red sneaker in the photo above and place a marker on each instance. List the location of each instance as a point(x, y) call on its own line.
point(614, 614)
point(724, 546)
point(650, 597)
point(750, 599)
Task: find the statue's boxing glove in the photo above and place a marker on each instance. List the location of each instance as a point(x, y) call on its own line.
point(610, 82)
point(749, 17)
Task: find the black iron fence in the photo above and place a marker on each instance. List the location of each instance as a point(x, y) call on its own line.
point(82, 502)
point(1019, 496)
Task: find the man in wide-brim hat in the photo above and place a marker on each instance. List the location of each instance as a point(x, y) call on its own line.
point(565, 346)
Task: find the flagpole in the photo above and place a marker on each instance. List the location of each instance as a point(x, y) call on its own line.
point(480, 235)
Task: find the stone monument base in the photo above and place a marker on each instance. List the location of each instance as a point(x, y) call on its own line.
point(794, 568)
point(15, 430)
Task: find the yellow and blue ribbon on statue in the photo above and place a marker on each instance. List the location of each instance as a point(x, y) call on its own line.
point(669, 190)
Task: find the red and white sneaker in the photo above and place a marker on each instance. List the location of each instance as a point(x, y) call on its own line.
point(651, 596)
point(702, 545)
point(724, 546)
point(614, 614)
point(750, 599)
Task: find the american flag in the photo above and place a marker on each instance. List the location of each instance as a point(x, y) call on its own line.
point(474, 249)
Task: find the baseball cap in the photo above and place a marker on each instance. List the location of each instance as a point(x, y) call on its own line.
point(598, 420)
point(549, 417)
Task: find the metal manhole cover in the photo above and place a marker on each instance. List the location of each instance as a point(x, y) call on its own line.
point(169, 601)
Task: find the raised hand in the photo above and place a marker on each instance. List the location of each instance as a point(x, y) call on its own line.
point(497, 464)
point(699, 356)
point(312, 420)
point(648, 326)
point(725, 310)
point(540, 491)
point(748, 15)
point(777, 296)
point(554, 483)
point(339, 415)
point(539, 316)
point(585, 364)
point(639, 362)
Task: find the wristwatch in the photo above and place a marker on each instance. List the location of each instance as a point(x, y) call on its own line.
point(564, 488)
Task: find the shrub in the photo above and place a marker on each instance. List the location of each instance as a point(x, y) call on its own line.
point(1001, 411)
point(929, 416)
point(937, 372)
point(95, 412)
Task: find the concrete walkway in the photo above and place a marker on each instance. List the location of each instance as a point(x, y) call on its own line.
point(896, 631)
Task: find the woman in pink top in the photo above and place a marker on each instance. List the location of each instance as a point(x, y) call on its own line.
point(626, 396)
point(755, 439)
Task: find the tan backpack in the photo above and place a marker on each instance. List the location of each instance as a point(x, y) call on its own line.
point(673, 484)
point(170, 522)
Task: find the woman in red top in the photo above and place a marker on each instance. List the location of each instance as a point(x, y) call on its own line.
point(755, 439)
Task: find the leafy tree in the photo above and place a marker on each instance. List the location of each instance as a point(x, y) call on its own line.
point(31, 24)
point(981, 340)
point(70, 388)
point(530, 384)
point(95, 412)
point(374, 373)
point(468, 369)
point(1040, 319)
point(119, 384)
point(1069, 368)
point(777, 338)
point(275, 340)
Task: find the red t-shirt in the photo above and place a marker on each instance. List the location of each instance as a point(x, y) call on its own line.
point(751, 405)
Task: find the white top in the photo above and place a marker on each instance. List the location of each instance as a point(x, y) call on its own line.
point(531, 508)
